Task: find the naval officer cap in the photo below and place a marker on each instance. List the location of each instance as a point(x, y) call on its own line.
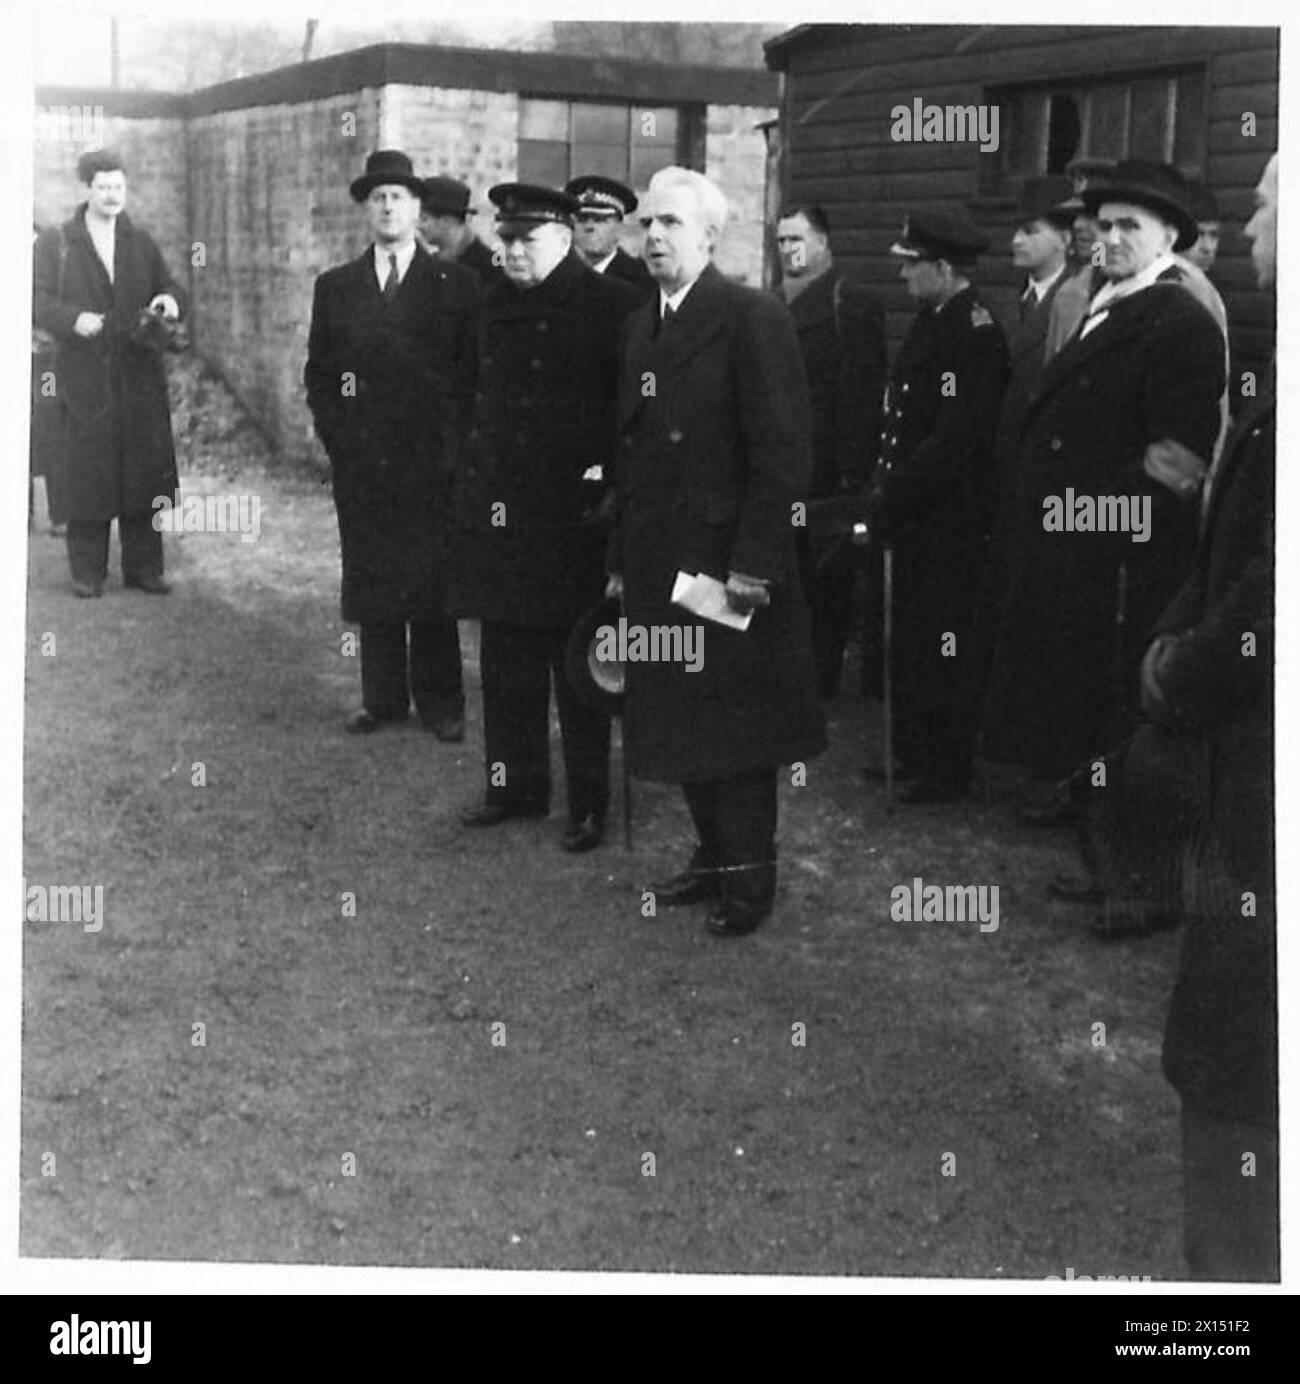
point(600, 196)
point(521, 206)
point(940, 235)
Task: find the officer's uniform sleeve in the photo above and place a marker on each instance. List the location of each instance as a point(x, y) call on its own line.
point(967, 419)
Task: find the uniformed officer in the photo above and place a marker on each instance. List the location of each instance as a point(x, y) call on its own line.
point(598, 222)
point(530, 539)
point(932, 495)
point(445, 224)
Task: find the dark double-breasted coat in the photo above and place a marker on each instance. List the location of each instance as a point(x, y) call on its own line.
point(530, 536)
point(114, 423)
point(1151, 370)
point(936, 479)
point(1216, 679)
point(714, 456)
point(388, 387)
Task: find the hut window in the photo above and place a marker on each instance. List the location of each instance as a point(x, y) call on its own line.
point(1158, 116)
point(559, 140)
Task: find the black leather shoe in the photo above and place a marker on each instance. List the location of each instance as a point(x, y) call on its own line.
point(695, 884)
point(365, 722)
point(490, 814)
point(736, 917)
point(87, 589)
point(449, 729)
point(153, 586)
point(584, 833)
point(928, 790)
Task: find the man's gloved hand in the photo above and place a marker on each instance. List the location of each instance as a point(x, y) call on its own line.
point(745, 593)
point(614, 587)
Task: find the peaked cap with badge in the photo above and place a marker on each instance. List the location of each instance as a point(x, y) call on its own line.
point(600, 196)
point(940, 235)
point(521, 206)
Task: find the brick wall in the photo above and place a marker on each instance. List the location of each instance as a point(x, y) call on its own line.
point(736, 159)
point(270, 206)
point(257, 195)
point(153, 151)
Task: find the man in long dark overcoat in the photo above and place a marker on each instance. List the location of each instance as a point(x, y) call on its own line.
point(1127, 408)
point(93, 276)
point(932, 498)
point(715, 458)
point(389, 374)
point(530, 533)
point(841, 329)
point(1208, 676)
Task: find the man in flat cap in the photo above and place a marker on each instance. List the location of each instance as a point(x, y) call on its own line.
point(530, 528)
point(389, 376)
point(1127, 412)
point(932, 497)
point(715, 461)
point(445, 224)
point(94, 277)
point(597, 225)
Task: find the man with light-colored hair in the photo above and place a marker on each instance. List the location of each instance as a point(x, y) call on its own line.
point(712, 474)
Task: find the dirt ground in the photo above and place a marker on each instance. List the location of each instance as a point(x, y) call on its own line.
point(625, 1036)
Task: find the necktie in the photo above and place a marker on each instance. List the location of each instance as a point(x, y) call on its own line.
point(392, 282)
point(1027, 303)
point(665, 319)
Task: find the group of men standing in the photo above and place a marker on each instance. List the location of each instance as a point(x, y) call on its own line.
point(568, 423)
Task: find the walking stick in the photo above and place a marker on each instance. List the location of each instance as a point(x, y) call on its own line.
point(888, 603)
point(627, 794)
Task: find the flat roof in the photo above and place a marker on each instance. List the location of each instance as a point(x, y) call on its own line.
point(558, 75)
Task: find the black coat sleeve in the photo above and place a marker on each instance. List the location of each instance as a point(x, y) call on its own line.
point(964, 428)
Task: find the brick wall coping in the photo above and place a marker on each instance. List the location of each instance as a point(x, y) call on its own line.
point(559, 75)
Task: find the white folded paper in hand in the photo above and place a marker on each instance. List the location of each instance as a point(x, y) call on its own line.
point(706, 597)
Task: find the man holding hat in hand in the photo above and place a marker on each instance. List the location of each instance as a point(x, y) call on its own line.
point(602, 205)
point(931, 498)
point(389, 371)
point(530, 528)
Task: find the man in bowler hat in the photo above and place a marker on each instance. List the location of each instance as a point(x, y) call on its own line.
point(389, 375)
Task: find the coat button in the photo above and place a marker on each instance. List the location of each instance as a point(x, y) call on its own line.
point(534, 364)
point(675, 435)
point(1056, 444)
point(543, 326)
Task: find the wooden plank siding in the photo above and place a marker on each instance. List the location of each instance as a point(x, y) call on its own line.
point(842, 81)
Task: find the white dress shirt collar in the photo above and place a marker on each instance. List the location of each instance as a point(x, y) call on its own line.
point(405, 254)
